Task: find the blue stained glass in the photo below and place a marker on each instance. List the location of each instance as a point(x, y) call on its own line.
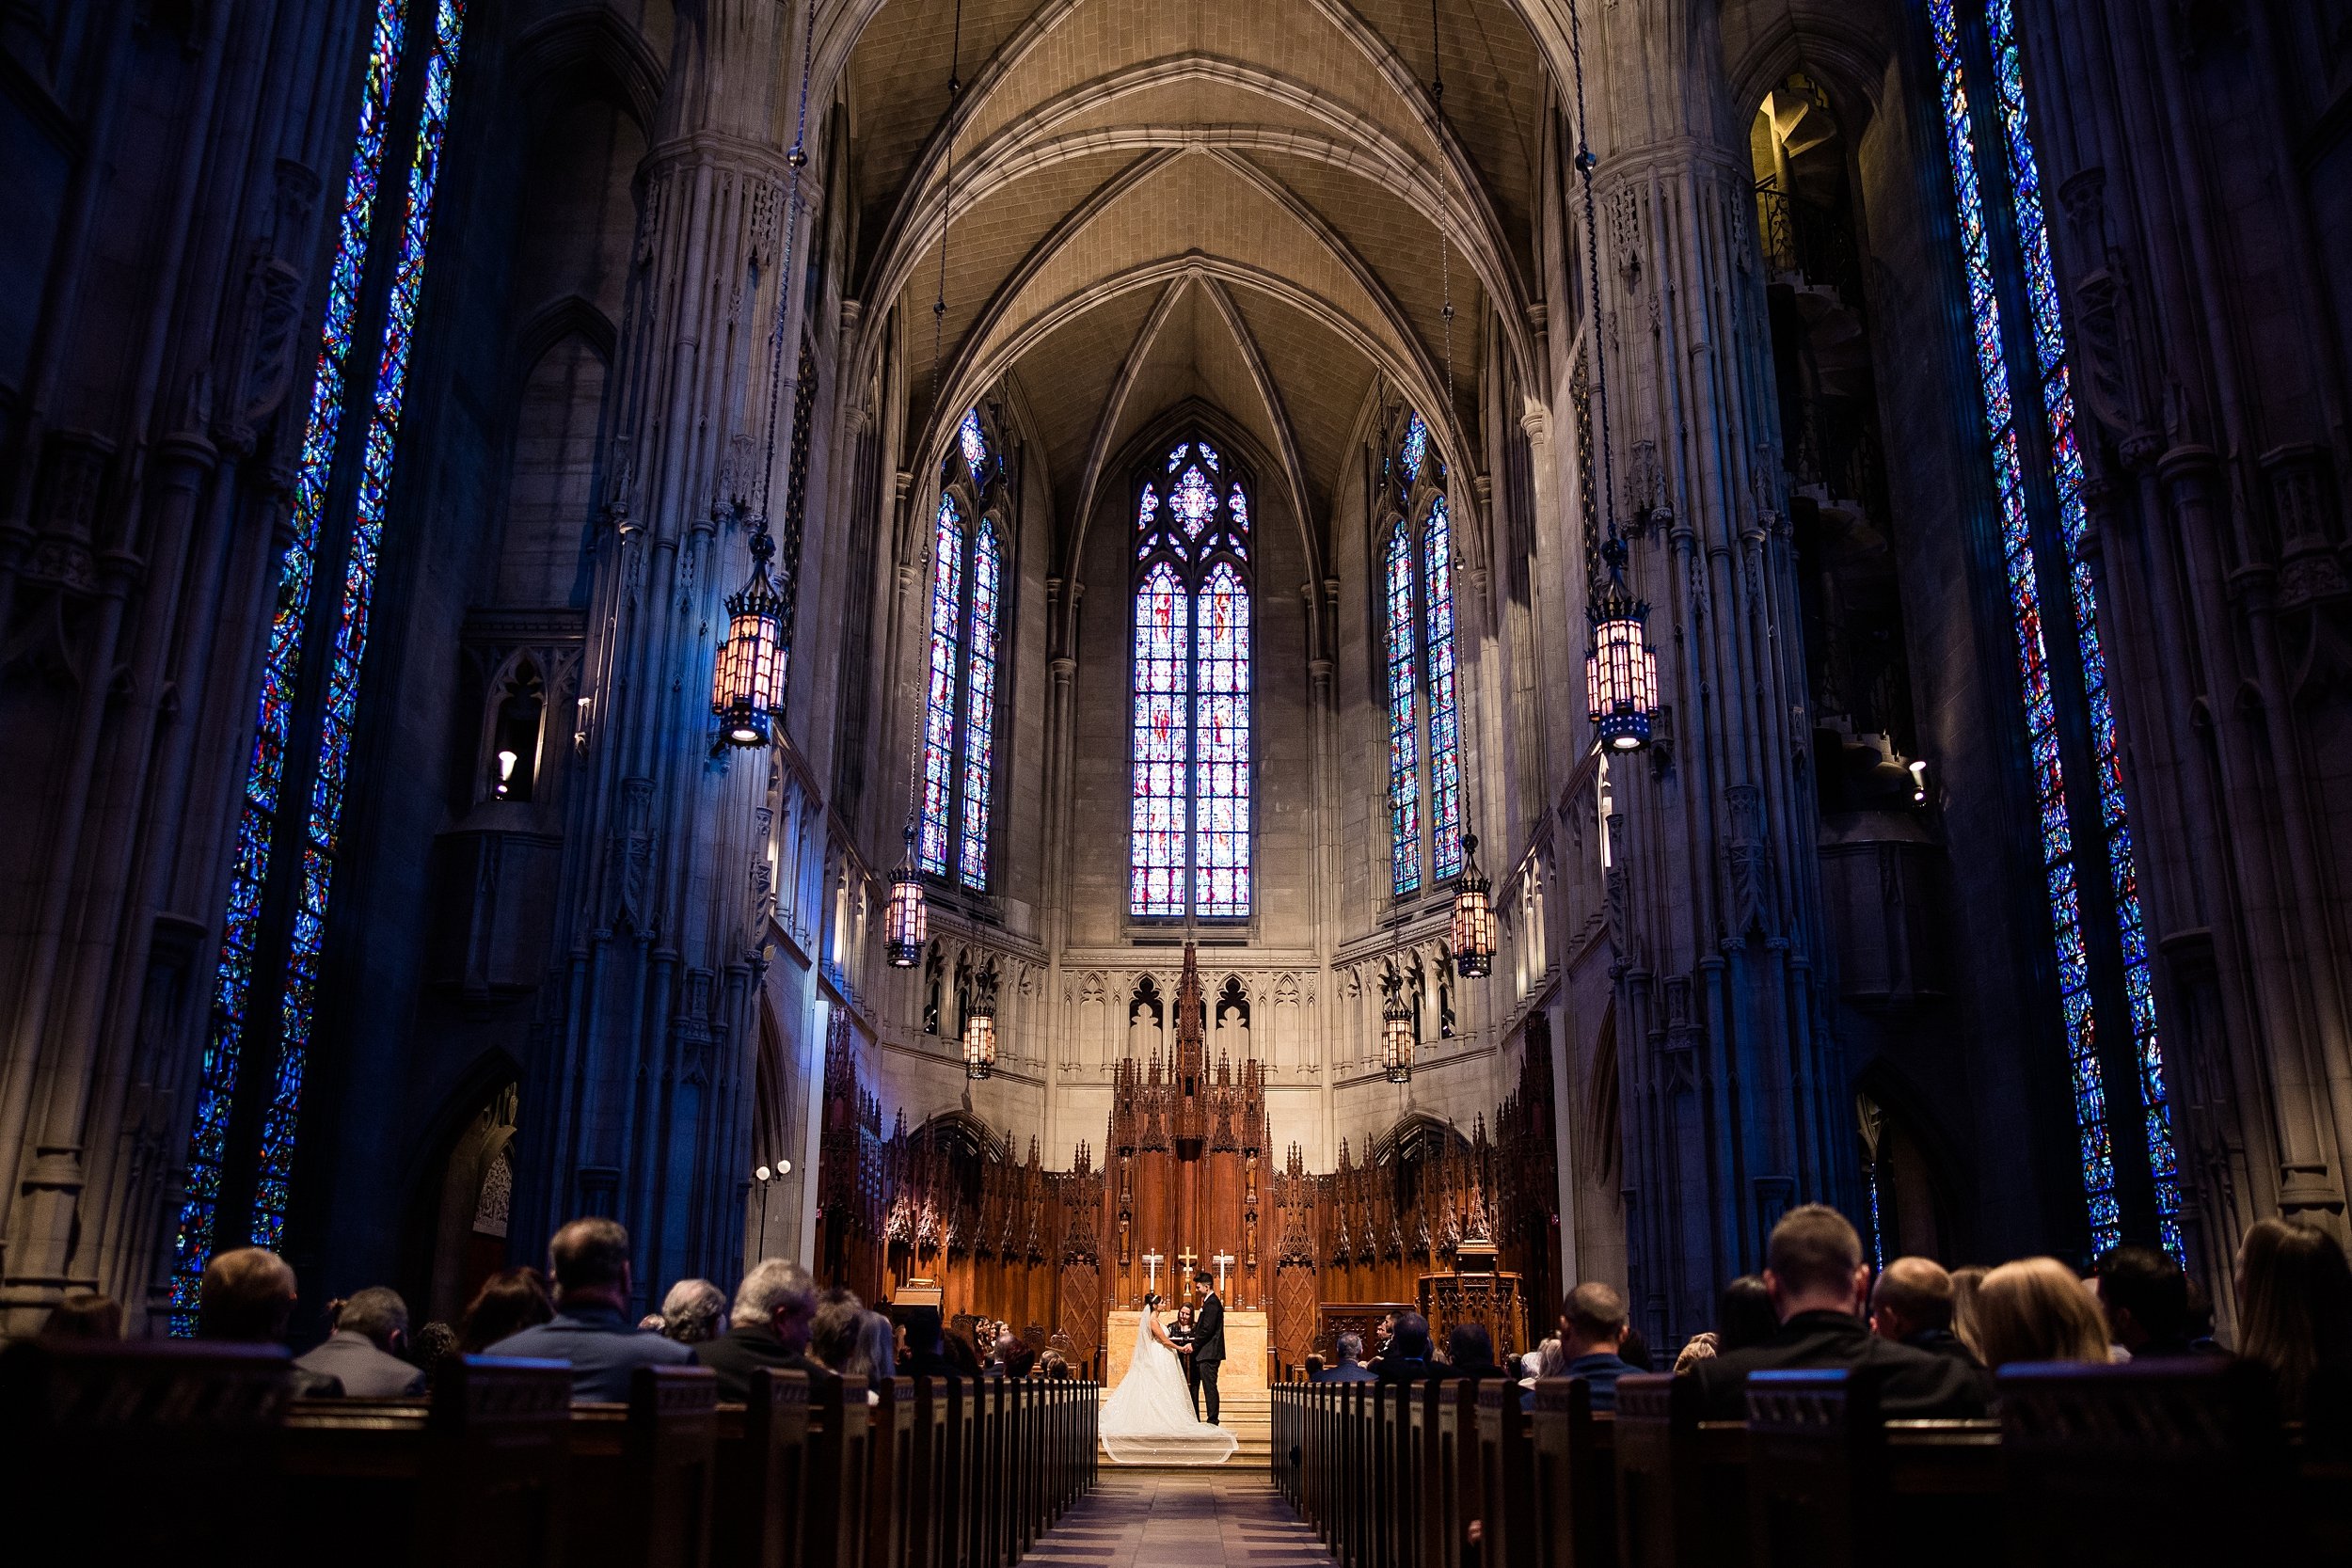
point(1445, 723)
point(1416, 443)
point(974, 441)
point(1404, 740)
point(979, 716)
point(1208, 454)
point(339, 717)
point(2058, 408)
point(1162, 736)
point(2092, 1132)
point(1220, 854)
point(939, 701)
point(281, 672)
point(1176, 455)
point(1193, 502)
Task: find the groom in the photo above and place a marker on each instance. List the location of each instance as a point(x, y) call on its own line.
point(1208, 1343)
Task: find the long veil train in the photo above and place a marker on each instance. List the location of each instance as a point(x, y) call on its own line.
point(1149, 1420)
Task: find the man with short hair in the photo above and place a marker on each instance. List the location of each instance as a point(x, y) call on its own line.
point(1208, 1340)
point(1407, 1357)
point(588, 1258)
point(768, 1326)
point(1350, 1366)
point(1912, 1305)
point(247, 1296)
point(1817, 1284)
point(1595, 1326)
point(367, 1351)
point(2145, 1297)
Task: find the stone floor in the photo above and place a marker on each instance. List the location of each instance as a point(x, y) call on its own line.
point(1180, 1519)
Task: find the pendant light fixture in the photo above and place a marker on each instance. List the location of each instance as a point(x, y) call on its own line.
point(1620, 668)
point(1474, 916)
point(1396, 1027)
point(905, 922)
point(747, 683)
point(980, 1025)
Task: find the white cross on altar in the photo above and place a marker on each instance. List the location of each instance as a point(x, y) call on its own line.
point(1152, 1261)
point(1223, 1261)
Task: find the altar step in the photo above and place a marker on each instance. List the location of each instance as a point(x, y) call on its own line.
point(1248, 1415)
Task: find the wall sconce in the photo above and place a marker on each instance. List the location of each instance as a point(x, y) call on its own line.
point(506, 774)
point(1918, 784)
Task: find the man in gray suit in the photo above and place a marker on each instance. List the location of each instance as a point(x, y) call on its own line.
point(364, 1352)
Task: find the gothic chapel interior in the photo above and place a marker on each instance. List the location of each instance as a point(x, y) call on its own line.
point(1009, 646)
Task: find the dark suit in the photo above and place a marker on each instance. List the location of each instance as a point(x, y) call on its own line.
point(1911, 1384)
point(1208, 1349)
point(1348, 1371)
point(739, 1351)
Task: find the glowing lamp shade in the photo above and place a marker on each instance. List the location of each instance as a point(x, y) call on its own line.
point(749, 683)
point(1396, 1037)
point(1620, 671)
point(1474, 916)
point(980, 1043)
point(905, 922)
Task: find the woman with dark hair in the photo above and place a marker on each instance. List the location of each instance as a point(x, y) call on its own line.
point(1745, 1316)
point(509, 1302)
point(84, 1315)
point(2295, 1309)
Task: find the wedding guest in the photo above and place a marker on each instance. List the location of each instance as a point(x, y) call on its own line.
point(509, 1302)
point(768, 1326)
point(2037, 1309)
point(365, 1352)
point(247, 1295)
point(1598, 1329)
point(2294, 1314)
point(1911, 1304)
point(689, 1313)
point(591, 1328)
point(84, 1315)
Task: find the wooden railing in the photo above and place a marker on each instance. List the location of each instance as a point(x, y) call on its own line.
point(184, 1454)
point(2182, 1462)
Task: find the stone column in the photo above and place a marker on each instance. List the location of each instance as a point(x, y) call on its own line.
point(1735, 1104)
point(638, 1093)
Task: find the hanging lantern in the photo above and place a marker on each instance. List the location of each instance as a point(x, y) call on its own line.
point(1620, 671)
point(905, 922)
point(1396, 1032)
point(1474, 916)
point(979, 1025)
point(749, 682)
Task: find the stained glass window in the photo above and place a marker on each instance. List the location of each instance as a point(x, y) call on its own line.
point(1416, 443)
point(1404, 729)
point(1190, 824)
point(2015, 170)
point(235, 1026)
point(960, 696)
point(1163, 732)
point(1220, 852)
point(939, 702)
point(1445, 725)
point(979, 733)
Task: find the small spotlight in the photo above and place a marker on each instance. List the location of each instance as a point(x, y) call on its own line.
point(761, 1173)
point(1918, 784)
point(506, 773)
point(783, 1167)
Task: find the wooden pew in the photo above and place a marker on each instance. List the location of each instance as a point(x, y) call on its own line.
point(2147, 1464)
point(890, 1475)
point(638, 1491)
point(932, 1520)
point(475, 1477)
point(1681, 1483)
point(1829, 1484)
point(762, 1496)
point(1395, 1529)
point(1456, 1491)
point(839, 1433)
point(1506, 1463)
point(187, 1430)
point(1574, 1516)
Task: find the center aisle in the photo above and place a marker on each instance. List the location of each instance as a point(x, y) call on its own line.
point(1180, 1519)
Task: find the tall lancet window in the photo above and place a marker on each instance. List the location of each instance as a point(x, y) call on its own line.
point(959, 706)
point(1190, 824)
point(1417, 624)
point(248, 1095)
point(2105, 995)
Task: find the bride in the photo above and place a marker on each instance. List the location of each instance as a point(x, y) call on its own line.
point(1149, 1420)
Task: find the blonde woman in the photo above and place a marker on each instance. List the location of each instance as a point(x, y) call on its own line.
point(2037, 1309)
point(1965, 1283)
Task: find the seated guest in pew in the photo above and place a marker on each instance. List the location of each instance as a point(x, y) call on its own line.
point(1408, 1355)
point(1053, 1364)
point(1469, 1353)
point(834, 1334)
point(1548, 1359)
point(1819, 1285)
point(927, 1345)
point(1965, 1283)
point(1314, 1366)
point(2295, 1316)
point(775, 1308)
point(1912, 1305)
point(247, 1295)
point(689, 1313)
point(876, 1358)
point(1595, 1317)
point(84, 1315)
point(1635, 1351)
point(509, 1302)
point(591, 1329)
point(2144, 1297)
point(1744, 1315)
point(2037, 1309)
point(367, 1353)
point(428, 1345)
point(1350, 1365)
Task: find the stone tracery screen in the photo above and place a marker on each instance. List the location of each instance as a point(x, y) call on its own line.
point(1190, 824)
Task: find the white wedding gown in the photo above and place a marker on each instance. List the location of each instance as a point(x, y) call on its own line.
point(1149, 1420)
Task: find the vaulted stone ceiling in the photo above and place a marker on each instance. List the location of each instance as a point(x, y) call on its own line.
point(1234, 200)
